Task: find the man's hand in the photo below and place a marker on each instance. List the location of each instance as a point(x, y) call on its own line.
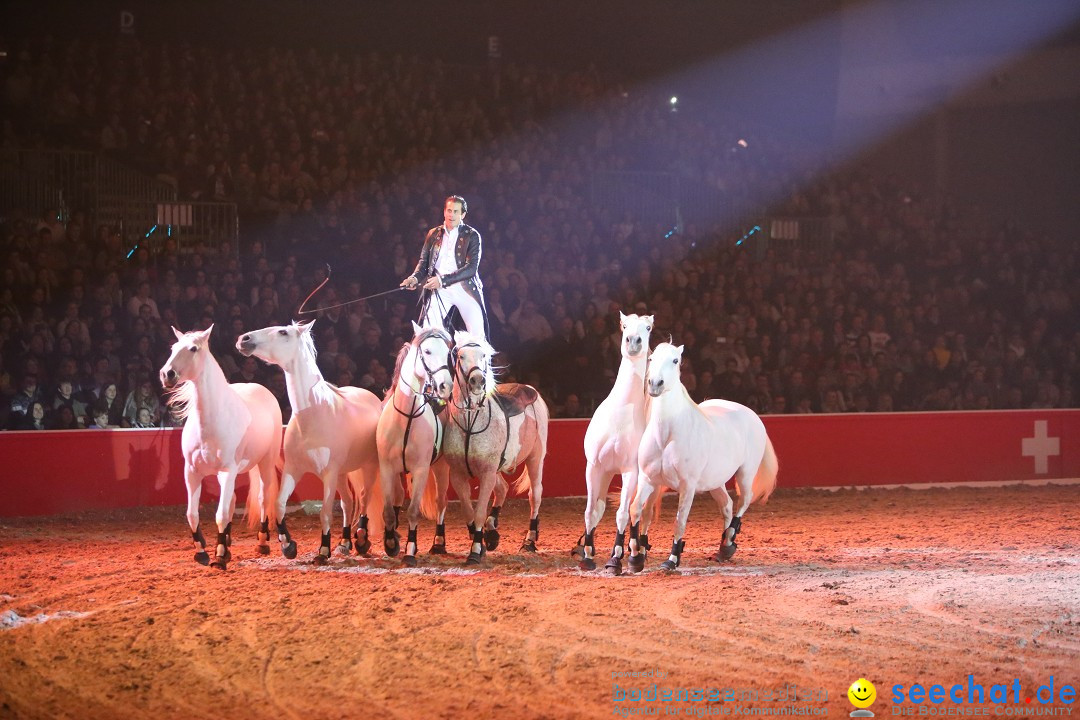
point(433, 283)
point(409, 283)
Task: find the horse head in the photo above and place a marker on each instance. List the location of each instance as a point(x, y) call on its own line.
point(277, 345)
point(664, 369)
point(635, 334)
point(187, 359)
point(431, 362)
point(473, 372)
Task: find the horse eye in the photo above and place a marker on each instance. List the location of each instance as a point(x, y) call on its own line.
point(674, 362)
point(648, 328)
point(282, 332)
point(193, 349)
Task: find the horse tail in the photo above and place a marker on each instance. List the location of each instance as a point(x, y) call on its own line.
point(429, 501)
point(541, 415)
point(765, 479)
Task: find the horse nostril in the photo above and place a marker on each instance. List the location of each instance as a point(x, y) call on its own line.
point(170, 374)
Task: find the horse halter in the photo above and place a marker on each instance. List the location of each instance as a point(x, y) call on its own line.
point(465, 377)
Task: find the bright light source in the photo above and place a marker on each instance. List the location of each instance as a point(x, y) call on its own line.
point(741, 143)
point(674, 100)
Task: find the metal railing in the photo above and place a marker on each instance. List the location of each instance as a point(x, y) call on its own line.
point(87, 180)
point(810, 234)
point(188, 226)
point(23, 190)
point(644, 196)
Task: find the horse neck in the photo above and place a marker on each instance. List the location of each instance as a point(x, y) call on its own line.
point(402, 387)
point(664, 410)
point(630, 381)
point(302, 374)
point(211, 386)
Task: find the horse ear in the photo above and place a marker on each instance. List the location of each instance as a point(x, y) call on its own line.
point(651, 319)
point(622, 318)
point(305, 327)
point(416, 329)
point(680, 349)
point(179, 335)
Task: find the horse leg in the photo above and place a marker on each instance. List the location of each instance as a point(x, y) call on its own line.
point(727, 545)
point(388, 475)
point(226, 506)
point(477, 550)
point(646, 498)
point(419, 483)
point(442, 481)
point(362, 541)
point(534, 465)
point(289, 476)
point(347, 500)
point(333, 482)
point(597, 483)
point(744, 479)
point(686, 499)
point(460, 483)
point(491, 524)
point(622, 519)
point(194, 490)
point(266, 484)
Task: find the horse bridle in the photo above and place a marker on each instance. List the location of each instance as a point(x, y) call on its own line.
point(430, 390)
point(465, 377)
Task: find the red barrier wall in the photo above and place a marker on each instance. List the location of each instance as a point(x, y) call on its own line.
point(45, 473)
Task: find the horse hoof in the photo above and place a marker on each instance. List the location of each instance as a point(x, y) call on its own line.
point(669, 566)
point(203, 558)
point(392, 545)
point(587, 564)
point(437, 550)
point(578, 552)
point(289, 550)
point(474, 558)
point(363, 548)
point(614, 566)
point(320, 559)
point(264, 549)
point(220, 564)
point(344, 547)
point(408, 560)
point(725, 552)
point(491, 539)
point(636, 563)
point(528, 546)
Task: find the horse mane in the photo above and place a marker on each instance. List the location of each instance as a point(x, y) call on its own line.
point(179, 398)
point(397, 370)
point(306, 341)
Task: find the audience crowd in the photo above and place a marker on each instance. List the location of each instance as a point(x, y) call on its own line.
point(915, 305)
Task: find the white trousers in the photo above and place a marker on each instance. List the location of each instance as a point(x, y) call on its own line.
point(455, 296)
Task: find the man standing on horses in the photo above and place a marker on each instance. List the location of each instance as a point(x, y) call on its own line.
point(451, 279)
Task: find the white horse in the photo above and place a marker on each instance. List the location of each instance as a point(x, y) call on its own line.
point(691, 448)
point(493, 429)
point(230, 429)
point(409, 435)
point(612, 439)
point(331, 434)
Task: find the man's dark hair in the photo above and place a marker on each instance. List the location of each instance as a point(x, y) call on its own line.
point(458, 199)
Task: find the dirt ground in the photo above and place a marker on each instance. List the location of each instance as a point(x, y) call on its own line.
point(105, 615)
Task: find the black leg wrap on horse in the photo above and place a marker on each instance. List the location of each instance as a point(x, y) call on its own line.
point(588, 551)
point(222, 554)
point(491, 534)
point(410, 549)
point(324, 549)
point(438, 545)
point(614, 563)
point(265, 527)
point(391, 542)
point(361, 524)
point(634, 529)
point(727, 549)
point(534, 534)
point(477, 537)
point(346, 532)
point(676, 552)
point(288, 547)
point(201, 556)
point(228, 534)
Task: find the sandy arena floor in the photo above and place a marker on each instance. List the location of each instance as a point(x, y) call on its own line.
point(105, 615)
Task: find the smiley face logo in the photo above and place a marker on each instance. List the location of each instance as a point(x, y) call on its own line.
point(862, 693)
